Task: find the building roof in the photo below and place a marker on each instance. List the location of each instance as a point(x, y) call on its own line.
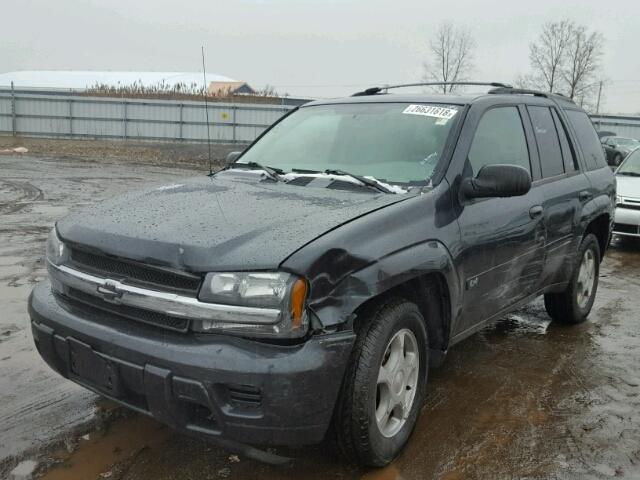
point(226, 88)
point(80, 80)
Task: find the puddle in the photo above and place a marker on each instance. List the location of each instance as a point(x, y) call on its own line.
point(104, 454)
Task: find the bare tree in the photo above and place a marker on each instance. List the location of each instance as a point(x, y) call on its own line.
point(549, 53)
point(451, 50)
point(566, 57)
point(526, 81)
point(583, 63)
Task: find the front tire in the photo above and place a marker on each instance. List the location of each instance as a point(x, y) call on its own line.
point(384, 386)
point(574, 304)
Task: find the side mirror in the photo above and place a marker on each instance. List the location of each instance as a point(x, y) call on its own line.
point(231, 158)
point(497, 181)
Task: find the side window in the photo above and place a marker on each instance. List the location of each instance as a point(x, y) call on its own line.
point(499, 138)
point(588, 139)
point(547, 140)
point(568, 152)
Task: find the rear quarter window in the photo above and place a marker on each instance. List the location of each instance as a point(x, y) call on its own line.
point(588, 139)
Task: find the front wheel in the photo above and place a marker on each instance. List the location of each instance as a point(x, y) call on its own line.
point(384, 385)
point(574, 304)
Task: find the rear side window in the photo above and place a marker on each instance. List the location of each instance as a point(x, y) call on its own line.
point(547, 140)
point(568, 153)
point(588, 139)
point(499, 138)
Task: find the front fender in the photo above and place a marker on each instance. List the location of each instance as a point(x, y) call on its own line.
point(337, 304)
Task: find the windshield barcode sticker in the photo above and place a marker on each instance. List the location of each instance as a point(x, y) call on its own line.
point(430, 111)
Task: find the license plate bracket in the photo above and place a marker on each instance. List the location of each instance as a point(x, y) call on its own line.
point(92, 368)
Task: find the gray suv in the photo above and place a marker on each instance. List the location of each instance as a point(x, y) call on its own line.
point(314, 281)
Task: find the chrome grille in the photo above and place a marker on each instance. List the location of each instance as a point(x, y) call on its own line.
point(134, 273)
point(156, 319)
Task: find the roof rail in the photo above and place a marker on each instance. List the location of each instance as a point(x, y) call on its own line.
point(376, 90)
point(527, 91)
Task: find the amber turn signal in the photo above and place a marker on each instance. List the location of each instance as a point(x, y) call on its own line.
point(298, 296)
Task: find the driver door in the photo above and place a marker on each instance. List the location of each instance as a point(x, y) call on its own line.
point(503, 239)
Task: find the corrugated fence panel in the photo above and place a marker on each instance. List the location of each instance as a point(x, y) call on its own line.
point(101, 109)
point(5, 105)
point(142, 129)
point(146, 111)
point(5, 124)
point(42, 126)
point(258, 117)
point(58, 114)
point(193, 113)
point(41, 107)
point(98, 128)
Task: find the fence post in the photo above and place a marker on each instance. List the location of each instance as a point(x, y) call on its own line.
point(234, 110)
point(181, 120)
point(124, 119)
point(13, 111)
point(71, 117)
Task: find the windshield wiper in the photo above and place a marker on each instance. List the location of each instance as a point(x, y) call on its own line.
point(369, 182)
point(272, 172)
point(631, 174)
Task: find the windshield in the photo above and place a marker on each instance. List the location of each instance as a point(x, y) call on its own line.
point(392, 142)
point(631, 166)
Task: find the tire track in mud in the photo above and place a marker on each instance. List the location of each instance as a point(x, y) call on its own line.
point(23, 194)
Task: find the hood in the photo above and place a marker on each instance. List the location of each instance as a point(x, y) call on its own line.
point(233, 220)
point(627, 186)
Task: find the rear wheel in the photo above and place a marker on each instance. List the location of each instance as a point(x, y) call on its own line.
point(574, 304)
point(384, 385)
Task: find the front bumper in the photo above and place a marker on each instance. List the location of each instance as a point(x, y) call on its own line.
point(627, 222)
point(208, 385)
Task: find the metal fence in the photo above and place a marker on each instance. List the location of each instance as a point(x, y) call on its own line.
point(50, 114)
point(58, 114)
point(622, 126)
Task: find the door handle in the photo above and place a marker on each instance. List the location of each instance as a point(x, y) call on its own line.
point(535, 211)
point(584, 195)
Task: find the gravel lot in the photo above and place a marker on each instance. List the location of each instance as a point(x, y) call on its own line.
point(522, 398)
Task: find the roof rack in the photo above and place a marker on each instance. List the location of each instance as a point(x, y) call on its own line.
point(527, 91)
point(376, 90)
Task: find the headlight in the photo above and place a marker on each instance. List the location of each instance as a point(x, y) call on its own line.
point(618, 199)
point(274, 302)
point(56, 250)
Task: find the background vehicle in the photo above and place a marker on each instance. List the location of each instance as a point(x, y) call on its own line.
point(617, 148)
point(628, 197)
point(316, 280)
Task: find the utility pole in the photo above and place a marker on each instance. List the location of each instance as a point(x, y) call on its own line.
point(599, 95)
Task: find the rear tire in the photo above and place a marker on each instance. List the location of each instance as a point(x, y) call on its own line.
point(574, 304)
point(388, 369)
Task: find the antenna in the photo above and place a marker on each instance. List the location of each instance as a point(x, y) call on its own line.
point(206, 110)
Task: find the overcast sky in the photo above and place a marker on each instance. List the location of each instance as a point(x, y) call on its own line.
point(320, 48)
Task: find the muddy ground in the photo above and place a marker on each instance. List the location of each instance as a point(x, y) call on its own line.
point(521, 399)
point(194, 155)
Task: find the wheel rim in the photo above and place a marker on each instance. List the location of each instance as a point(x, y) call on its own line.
point(397, 382)
point(586, 278)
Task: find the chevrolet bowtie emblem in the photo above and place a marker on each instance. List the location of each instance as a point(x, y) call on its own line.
point(110, 291)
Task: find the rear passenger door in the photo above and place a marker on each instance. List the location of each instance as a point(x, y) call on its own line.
point(560, 185)
point(502, 238)
point(600, 196)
